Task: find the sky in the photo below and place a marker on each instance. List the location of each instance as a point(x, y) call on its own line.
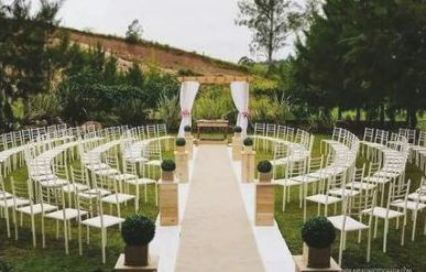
point(204, 26)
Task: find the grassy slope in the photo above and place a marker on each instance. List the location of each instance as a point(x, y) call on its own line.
point(53, 258)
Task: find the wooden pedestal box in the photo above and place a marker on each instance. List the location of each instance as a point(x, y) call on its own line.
point(182, 167)
point(236, 148)
point(247, 166)
point(265, 204)
point(189, 145)
point(169, 204)
point(151, 267)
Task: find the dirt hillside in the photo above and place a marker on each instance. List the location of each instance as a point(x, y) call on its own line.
point(151, 54)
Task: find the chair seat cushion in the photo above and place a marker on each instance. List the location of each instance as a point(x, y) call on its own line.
point(125, 176)
point(108, 221)
point(141, 181)
point(11, 202)
point(411, 205)
point(349, 223)
point(343, 192)
point(73, 187)
point(381, 212)
point(66, 214)
point(323, 199)
point(286, 182)
point(37, 208)
point(117, 198)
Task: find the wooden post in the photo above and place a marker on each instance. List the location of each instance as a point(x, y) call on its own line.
point(265, 204)
point(247, 165)
point(182, 171)
point(169, 204)
point(189, 144)
point(236, 147)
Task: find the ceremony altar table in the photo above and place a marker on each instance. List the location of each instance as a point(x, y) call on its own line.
point(219, 124)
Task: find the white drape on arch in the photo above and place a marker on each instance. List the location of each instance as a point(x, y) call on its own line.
point(240, 95)
point(188, 92)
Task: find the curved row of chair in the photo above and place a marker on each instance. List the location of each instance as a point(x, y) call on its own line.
point(98, 182)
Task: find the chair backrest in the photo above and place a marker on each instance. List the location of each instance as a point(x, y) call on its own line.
point(315, 163)
point(373, 168)
point(289, 134)
point(295, 169)
point(281, 132)
point(421, 141)
point(365, 200)
point(21, 189)
point(271, 130)
point(259, 129)
point(79, 176)
point(150, 131)
point(399, 190)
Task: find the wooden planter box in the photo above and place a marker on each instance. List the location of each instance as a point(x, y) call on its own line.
point(169, 204)
point(136, 255)
point(316, 257)
point(265, 204)
point(189, 145)
point(265, 177)
point(247, 166)
point(168, 176)
point(236, 147)
point(182, 166)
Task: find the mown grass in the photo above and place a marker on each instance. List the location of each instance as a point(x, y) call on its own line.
point(23, 257)
point(409, 256)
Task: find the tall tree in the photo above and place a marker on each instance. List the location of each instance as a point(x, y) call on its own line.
point(24, 53)
point(134, 31)
point(272, 21)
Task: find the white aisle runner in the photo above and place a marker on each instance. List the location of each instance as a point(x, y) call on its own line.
point(215, 233)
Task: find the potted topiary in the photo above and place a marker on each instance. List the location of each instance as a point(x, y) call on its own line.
point(264, 168)
point(187, 130)
point(168, 167)
point(180, 144)
point(248, 144)
point(237, 131)
point(137, 232)
point(318, 234)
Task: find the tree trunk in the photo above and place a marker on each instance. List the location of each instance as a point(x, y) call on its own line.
point(339, 113)
point(412, 117)
point(382, 114)
point(358, 114)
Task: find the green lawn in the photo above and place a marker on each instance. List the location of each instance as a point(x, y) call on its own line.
point(23, 257)
point(410, 256)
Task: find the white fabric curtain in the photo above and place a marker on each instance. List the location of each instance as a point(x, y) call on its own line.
point(240, 95)
point(188, 91)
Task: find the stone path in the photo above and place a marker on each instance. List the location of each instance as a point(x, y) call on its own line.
point(216, 233)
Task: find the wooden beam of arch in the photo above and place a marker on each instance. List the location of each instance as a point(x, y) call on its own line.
point(216, 80)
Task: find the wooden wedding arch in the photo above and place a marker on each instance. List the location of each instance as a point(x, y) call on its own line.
point(216, 80)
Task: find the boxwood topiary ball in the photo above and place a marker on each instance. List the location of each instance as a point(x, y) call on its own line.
point(137, 230)
point(237, 129)
point(180, 142)
point(248, 141)
point(187, 129)
point(318, 232)
point(168, 165)
point(264, 167)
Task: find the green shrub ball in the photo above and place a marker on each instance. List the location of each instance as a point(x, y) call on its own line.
point(137, 230)
point(180, 142)
point(264, 167)
point(248, 141)
point(168, 165)
point(318, 232)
